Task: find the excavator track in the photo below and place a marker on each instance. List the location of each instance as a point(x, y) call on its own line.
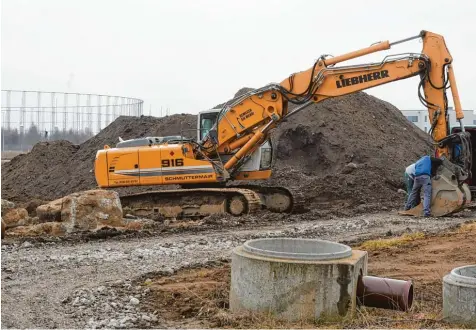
point(193, 204)
point(278, 199)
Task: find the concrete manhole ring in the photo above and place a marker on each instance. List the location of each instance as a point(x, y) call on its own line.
point(297, 248)
point(459, 295)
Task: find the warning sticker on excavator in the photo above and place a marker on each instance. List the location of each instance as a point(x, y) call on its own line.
point(248, 113)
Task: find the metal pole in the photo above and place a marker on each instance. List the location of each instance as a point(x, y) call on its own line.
point(22, 111)
point(21, 137)
point(99, 114)
point(78, 113)
point(53, 115)
point(65, 114)
point(116, 101)
point(108, 111)
point(89, 113)
point(38, 112)
point(56, 108)
point(9, 94)
point(405, 40)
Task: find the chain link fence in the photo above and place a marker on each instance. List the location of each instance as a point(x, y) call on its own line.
point(32, 116)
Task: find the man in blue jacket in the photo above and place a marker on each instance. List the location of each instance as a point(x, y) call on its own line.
point(424, 168)
point(409, 178)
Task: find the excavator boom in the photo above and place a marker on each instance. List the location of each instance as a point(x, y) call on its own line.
point(245, 122)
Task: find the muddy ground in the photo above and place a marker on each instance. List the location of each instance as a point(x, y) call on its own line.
point(90, 282)
point(198, 297)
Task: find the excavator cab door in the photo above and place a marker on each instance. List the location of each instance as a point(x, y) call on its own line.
point(206, 121)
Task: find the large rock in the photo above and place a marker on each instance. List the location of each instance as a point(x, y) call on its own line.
point(32, 205)
point(51, 211)
point(16, 217)
point(86, 210)
point(7, 205)
point(47, 228)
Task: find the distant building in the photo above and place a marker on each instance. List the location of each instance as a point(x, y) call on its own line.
point(420, 118)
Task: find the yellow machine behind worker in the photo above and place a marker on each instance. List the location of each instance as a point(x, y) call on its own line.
point(234, 142)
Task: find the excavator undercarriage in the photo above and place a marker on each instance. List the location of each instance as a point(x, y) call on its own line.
point(196, 203)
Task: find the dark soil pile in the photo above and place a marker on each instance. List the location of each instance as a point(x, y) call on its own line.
point(54, 169)
point(347, 152)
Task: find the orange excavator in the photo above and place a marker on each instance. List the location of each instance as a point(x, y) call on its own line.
point(236, 144)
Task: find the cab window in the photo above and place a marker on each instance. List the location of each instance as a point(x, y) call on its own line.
point(206, 123)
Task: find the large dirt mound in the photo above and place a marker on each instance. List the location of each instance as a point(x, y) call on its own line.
point(352, 149)
point(54, 169)
point(346, 152)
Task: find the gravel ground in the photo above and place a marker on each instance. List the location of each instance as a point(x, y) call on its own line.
point(78, 284)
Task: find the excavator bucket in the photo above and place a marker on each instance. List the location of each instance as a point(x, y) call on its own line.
point(447, 196)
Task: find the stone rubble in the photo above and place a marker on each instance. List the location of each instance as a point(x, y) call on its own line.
point(104, 283)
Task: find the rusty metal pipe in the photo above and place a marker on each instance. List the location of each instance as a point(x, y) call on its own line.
point(384, 293)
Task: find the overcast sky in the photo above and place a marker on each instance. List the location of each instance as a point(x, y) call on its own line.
point(192, 55)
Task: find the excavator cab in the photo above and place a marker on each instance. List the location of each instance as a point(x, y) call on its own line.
point(258, 164)
point(205, 121)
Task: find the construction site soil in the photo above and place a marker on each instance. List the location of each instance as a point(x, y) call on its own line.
point(128, 281)
point(345, 153)
point(199, 297)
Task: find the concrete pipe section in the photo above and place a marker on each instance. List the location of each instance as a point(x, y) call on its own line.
point(297, 249)
point(306, 279)
point(295, 279)
point(459, 296)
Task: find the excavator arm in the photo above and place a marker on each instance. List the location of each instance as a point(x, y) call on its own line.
point(246, 122)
